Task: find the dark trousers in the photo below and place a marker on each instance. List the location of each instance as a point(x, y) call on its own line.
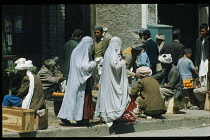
point(153, 68)
point(48, 93)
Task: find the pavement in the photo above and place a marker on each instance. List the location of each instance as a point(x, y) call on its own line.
point(185, 118)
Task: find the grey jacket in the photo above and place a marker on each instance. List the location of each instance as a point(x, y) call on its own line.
point(48, 77)
point(173, 78)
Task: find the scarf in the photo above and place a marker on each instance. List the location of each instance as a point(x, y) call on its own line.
point(27, 101)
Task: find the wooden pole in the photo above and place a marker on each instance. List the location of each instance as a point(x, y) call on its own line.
point(207, 102)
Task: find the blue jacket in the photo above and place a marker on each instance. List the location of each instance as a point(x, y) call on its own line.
point(143, 60)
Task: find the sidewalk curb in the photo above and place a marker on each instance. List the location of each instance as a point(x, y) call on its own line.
point(103, 130)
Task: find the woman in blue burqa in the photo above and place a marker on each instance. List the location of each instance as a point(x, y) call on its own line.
point(113, 96)
point(77, 103)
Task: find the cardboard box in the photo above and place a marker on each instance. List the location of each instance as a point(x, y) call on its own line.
point(17, 119)
point(41, 122)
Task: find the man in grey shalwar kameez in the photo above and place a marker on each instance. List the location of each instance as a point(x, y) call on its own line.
point(113, 97)
point(80, 71)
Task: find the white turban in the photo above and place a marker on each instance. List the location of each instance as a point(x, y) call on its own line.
point(144, 71)
point(161, 37)
point(165, 58)
point(22, 64)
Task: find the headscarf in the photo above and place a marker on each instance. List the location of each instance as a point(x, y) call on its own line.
point(144, 71)
point(113, 96)
point(165, 58)
point(22, 64)
point(80, 59)
point(81, 69)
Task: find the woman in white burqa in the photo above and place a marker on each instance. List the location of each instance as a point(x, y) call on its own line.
point(113, 96)
point(77, 102)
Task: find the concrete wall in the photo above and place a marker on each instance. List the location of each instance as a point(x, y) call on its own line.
point(152, 14)
point(123, 19)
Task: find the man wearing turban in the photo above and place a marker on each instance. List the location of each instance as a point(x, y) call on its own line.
point(149, 100)
point(31, 94)
point(170, 75)
point(160, 40)
point(51, 77)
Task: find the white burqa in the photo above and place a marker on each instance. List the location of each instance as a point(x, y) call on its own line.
point(80, 70)
point(113, 96)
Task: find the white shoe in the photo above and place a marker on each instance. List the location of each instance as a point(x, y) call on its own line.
point(109, 124)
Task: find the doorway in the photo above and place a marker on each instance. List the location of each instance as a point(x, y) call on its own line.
point(77, 17)
point(184, 17)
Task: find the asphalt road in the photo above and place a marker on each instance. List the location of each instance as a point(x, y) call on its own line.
point(202, 131)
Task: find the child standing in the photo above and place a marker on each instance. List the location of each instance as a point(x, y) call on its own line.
point(185, 65)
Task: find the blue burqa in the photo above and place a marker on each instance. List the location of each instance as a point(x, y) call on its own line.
point(113, 96)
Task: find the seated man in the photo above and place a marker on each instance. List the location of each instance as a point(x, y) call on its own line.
point(200, 93)
point(31, 94)
point(51, 77)
point(150, 100)
point(171, 75)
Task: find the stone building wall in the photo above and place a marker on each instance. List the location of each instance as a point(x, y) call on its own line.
point(152, 14)
point(123, 19)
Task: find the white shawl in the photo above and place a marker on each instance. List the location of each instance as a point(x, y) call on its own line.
point(27, 101)
point(80, 70)
point(113, 97)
